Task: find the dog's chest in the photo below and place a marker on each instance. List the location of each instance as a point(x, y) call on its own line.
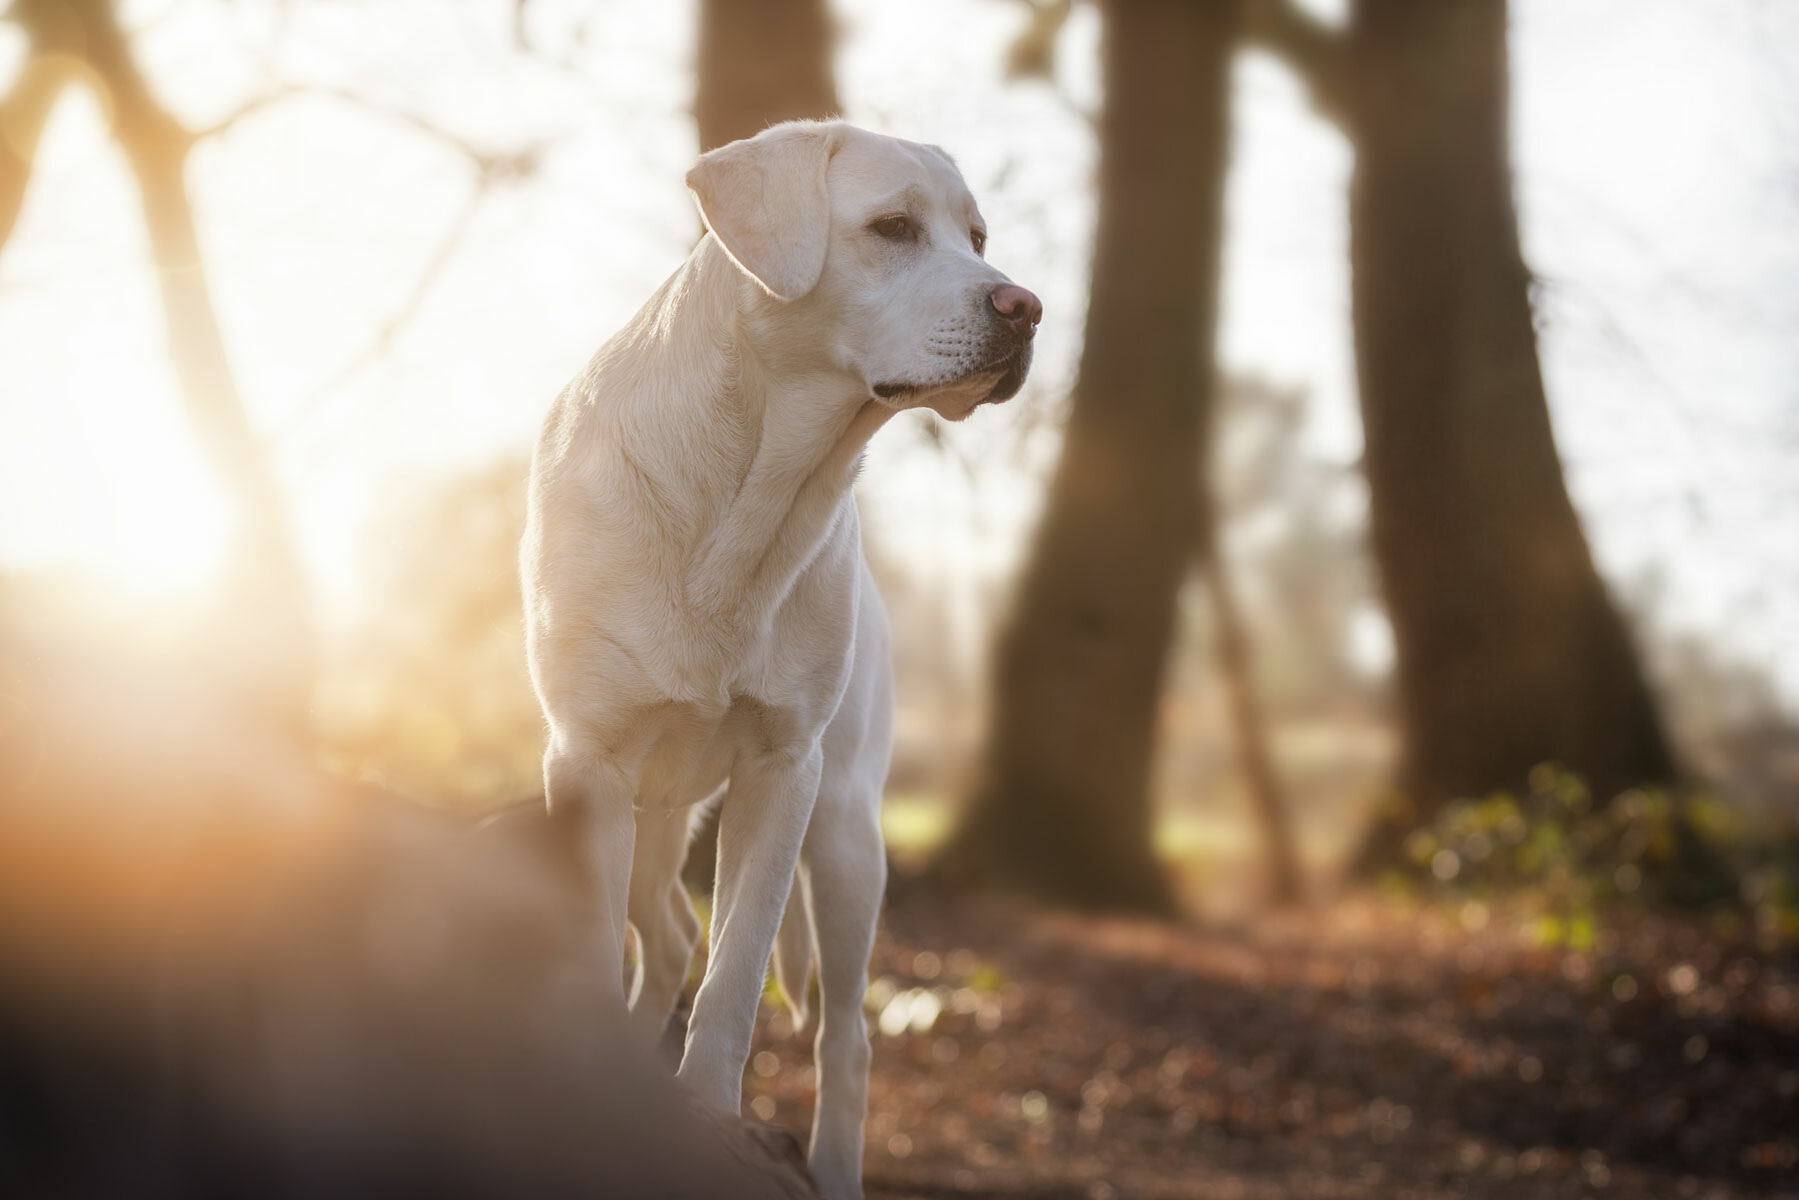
point(767, 688)
point(688, 755)
point(779, 657)
point(781, 633)
point(691, 747)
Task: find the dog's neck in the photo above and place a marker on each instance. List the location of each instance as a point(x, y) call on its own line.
point(795, 428)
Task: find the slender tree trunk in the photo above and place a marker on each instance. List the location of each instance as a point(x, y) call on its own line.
point(268, 588)
point(22, 115)
point(1064, 806)
point(762, 62)
point(1510, 652)
point(1267, 798)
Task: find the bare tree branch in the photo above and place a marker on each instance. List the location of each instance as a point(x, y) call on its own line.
point(491, 167)
point(1312, 49)
point(488, 162)
point(1032, 54)
point(567, 63)
point(247, 110)
point(385, 337)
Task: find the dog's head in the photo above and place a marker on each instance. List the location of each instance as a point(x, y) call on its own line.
point(877, 244)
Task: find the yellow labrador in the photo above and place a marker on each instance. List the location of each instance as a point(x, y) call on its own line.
point(699, 614)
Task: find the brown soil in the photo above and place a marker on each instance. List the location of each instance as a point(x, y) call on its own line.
point(1362, 1051)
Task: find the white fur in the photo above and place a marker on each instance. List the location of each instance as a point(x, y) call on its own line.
point(698, 610)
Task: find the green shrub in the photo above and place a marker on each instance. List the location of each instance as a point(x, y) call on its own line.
point(1562, 856)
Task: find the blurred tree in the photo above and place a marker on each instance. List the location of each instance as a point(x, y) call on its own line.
point(80, 40)
point(1510, 651)
point(761, 62)
point(1063, 806)
point(22, 114)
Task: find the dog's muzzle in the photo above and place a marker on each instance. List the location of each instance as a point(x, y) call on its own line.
point(1018, 312)
point(1017, 366)
point(1013, 316)
point(1010, 367)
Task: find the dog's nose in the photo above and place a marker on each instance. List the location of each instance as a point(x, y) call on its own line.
point(1017, 307)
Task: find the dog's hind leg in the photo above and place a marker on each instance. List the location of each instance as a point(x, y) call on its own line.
point(663, 916)
point(844, 871)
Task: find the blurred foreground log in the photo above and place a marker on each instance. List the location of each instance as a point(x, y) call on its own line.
point(222, 975)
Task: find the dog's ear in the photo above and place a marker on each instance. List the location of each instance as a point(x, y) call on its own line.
point(764, 199)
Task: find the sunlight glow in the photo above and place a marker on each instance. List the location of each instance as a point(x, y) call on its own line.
point(99, 474)
point(174, 539)
point(132, 507)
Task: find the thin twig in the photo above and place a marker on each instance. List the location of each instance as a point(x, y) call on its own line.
point(493, 164)
point(389, 332)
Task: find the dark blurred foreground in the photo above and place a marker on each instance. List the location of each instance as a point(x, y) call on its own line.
point(222, 976)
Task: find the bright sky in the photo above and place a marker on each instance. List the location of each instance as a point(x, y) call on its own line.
point(1658, 157)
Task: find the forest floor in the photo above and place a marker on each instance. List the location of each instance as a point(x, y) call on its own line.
point(1370, 1049)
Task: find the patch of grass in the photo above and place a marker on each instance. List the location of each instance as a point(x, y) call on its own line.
point(915, 824)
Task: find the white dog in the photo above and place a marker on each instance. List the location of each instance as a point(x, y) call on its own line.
point(698, 610)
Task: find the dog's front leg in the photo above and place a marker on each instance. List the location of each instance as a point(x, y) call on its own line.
point(760, 830)
point(592, 796)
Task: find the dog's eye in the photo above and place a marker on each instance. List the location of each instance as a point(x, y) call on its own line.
point(979, 238)
point(895, 229)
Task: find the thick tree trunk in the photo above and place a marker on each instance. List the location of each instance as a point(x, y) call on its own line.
point(761, 62)
point(1510, 652)
point(268, 594)
point(1064, 807)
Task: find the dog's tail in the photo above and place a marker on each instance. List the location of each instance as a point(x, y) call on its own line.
point(793, 955)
